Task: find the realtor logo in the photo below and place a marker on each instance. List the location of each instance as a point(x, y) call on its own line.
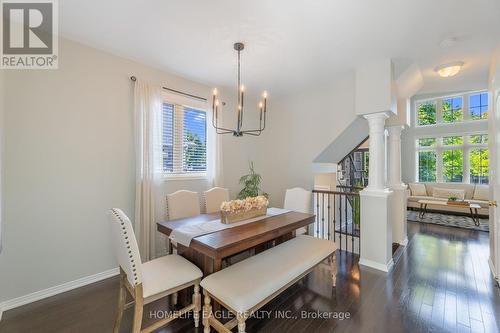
point(29, 34)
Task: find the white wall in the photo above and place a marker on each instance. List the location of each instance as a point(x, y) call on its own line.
point(301, 126)
point(410, 134)
point(68, 158)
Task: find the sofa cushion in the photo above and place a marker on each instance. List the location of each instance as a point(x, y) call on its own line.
point(481, 192)
point(418, 189)
point(448, 193)
point(467, 188)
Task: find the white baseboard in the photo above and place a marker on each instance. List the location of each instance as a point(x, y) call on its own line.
point(376, 265)
point(38, 295)
point(404, 242)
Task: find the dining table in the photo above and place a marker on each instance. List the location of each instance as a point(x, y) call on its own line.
point(208, 251)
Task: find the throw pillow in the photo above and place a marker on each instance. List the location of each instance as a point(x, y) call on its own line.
point(447, 193)
point(418, 189)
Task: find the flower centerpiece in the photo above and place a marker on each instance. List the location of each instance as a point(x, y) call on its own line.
point(242, 209)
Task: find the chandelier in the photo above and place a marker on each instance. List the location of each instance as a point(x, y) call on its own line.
point(241, 92)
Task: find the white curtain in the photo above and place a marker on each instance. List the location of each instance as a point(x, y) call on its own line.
point(148, 145)
point(214, 154)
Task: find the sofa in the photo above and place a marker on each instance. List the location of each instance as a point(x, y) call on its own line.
point(442, 191)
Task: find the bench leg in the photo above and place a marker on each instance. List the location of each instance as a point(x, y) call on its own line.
point(333, 268)
point(197, 305)
point(241, 323)
point(207, 313)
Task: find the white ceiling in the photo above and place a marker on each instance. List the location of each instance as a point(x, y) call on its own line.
point(290, 44)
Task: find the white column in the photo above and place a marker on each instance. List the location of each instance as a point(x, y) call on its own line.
point(376, 177)
point(394, 166)
point(376, 226)
point(398, 204)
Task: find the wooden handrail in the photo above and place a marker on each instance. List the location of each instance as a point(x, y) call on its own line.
point(336, 192)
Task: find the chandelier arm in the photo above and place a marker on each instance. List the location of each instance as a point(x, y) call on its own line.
point(250, 133)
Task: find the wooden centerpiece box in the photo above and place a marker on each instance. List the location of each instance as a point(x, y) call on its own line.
point(239, 210)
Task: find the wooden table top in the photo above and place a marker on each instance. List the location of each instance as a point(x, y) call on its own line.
point(224, 243)
point(445, 203)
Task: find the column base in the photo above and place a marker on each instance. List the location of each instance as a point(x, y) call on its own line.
point(376, 265)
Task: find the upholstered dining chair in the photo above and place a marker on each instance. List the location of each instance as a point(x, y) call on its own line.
point(214, 198)
point(183, 204)
point(152, 280)
point(299, 200)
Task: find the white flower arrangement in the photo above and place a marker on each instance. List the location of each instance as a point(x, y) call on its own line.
point(245, 205)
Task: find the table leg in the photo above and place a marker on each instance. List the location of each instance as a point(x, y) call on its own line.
point(423, 210)
point(475, 216)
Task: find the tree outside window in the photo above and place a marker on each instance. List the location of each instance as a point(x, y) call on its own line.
point(453, 166)
point(479, 166)
point(427, 166)
point(452, 109)
point(453, 140)
point(426, 142)
point(426, 114)
point(479, 139)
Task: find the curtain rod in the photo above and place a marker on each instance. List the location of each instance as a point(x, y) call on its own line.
point(133, 78)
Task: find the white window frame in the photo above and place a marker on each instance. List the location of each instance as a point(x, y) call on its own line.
point(439, 148)
point(180, 102)
point(438, 101)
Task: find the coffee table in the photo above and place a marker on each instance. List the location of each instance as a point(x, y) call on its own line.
point(473, 208)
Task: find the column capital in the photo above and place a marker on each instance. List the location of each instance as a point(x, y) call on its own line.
point(377, 115)
point(394, 129)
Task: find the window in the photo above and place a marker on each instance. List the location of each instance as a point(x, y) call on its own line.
point(427, 166)
point(478, 106)
point(447, 110)
point(426, 142)
point(452, 109)
point(453, 140)
point(479, 166)
point(454, 159)
point(195, 141)
point(453, 166)
point(479, 139)
point(184, 140)
point(426, 114)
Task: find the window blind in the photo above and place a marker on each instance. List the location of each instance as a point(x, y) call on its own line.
point(184, 140)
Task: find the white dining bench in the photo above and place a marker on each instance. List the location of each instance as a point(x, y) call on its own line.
point(248, 285)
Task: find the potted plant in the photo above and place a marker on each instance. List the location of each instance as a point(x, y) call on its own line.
point(251, 184)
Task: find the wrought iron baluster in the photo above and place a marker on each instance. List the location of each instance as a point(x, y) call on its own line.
point(317, 214)
point(328, 195)
point(322, 215)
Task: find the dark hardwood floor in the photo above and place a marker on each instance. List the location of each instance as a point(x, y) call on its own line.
point(441, 283)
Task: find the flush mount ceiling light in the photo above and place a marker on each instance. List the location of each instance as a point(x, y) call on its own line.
point(450, 69)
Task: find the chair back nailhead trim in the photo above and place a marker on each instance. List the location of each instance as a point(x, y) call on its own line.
point(127, 243)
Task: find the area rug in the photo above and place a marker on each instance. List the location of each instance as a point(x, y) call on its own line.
point(456, 221)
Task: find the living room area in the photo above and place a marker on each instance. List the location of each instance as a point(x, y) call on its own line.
point(446, 159)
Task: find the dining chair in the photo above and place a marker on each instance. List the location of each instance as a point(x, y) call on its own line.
point(299, 200)
point(214, 198)
point(183, 204)
point(152, 280)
